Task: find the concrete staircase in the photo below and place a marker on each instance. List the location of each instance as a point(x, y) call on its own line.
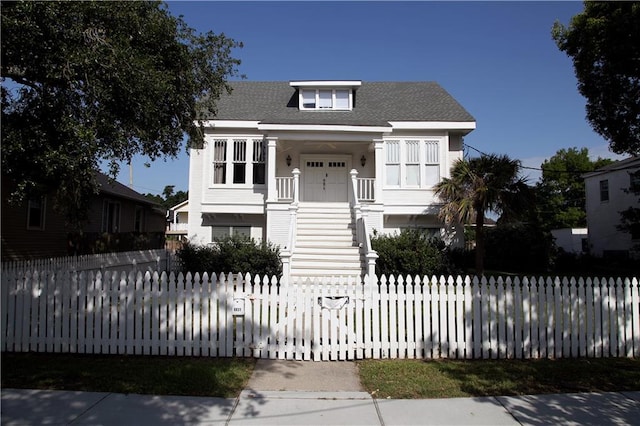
point(325, 242)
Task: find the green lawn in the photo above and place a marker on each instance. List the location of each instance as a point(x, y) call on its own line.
point(158, 375)
point(226, 377)
point(452, 378)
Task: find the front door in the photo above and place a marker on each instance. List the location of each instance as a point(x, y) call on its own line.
point(325, 178)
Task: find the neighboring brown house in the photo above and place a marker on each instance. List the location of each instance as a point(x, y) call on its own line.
point(120, 219)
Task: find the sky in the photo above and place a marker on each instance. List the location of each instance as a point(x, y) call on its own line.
point(496, 58)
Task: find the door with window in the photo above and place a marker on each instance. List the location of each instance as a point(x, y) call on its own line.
point(325, 178)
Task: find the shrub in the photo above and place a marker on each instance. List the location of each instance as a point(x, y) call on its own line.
point(519, 248)
point(237, 254)
point(410, 253)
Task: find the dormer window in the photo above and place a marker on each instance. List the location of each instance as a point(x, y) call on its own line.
point(326, 95)
point(325, 99)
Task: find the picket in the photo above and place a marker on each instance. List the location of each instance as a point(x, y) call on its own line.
point(337, 319)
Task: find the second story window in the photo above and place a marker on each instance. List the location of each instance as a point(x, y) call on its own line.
point(604, 191)
point(326, 99)
point(412, 163)
point(432, 163)
point(393, 163)
point(258, 161)
point(220, 161)
point(240, 161)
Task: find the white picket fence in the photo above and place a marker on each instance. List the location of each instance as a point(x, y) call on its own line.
point(339, 319)
point(145, 260)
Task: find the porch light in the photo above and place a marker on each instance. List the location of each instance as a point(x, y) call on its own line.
point(363, 160)
point(288, 160)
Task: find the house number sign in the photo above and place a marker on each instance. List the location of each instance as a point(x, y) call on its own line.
point(238, 306)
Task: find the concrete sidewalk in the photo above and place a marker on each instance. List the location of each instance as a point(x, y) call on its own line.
point(312, 393)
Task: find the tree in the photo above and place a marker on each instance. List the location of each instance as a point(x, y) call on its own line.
point(630, 217)
point(604, 43)
point(561, 191)
point(487, 183)
point(84, 82)
point(168, 198)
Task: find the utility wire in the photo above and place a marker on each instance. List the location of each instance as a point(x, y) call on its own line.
point(464, 144)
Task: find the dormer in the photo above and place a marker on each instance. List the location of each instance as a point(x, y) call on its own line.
point(325, 95)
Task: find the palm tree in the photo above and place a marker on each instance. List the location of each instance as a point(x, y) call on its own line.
point(487, 183)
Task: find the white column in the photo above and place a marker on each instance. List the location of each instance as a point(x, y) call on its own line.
point(296, 186)
point(271, 169)
point(379, 159)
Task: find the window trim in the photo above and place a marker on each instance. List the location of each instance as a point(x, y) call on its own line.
point(138, 226)
point(604, 190)
point(231, 159)
point(43, 209)
point(424, 161)
point(316, 105)
point(105, 226)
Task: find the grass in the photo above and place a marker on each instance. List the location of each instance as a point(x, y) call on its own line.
point(451, 378)
point(156, 375)
point(226, 377)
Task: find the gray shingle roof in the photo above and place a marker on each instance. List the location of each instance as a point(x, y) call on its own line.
point(113, 187)
point(376, 103)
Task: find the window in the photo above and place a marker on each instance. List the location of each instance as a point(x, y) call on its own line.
point(412, 151)
point(220, 161)
point(35, 213)
point(393, 163)
point(334, 99)
point(432, 163)
point(239, 160)
point(258, 161)
point(222, 232)
point(604, 191)
point(412, 163)
point(634, 181)
point(308, 99)
point(138, 222)
point(110, 217)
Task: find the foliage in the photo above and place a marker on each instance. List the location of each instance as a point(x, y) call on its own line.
point(561, 191)
point(630, 217)
point(519, 248)
point(80, 243)
point(410, 253)
point(86, 82)
point(487, 183)
point(168, 198)
point(604, 43)
point(237, 254)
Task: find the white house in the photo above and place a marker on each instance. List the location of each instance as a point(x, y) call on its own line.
point(178, 219)
point(607, 194)
point(571, 240)
point(316, 166)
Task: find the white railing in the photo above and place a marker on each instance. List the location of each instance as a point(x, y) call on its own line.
point(284, 188)
point(142, 259)
point(178, 226)
point(360, 214)
point(324, 319)
point(366, 189)
point(287, 252)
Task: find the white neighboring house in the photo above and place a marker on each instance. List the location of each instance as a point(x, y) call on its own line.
point(607, 194)
point(316, 166)
point(571, 240)
point(178, 220)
